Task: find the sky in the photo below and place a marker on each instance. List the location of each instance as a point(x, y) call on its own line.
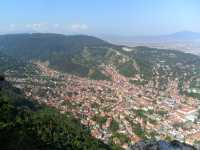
point(100, 17)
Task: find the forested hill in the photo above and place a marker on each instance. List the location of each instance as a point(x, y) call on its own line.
point(75, 54)
point(36, 45)
point(85, 55)
point(27, 125)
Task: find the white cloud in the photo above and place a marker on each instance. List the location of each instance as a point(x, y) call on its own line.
point(56, 25)
point(46, 27)
point(79, 27)
point(12, 27)
point(37, 26)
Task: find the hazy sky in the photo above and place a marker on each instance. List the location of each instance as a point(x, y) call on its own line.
point(96, 17)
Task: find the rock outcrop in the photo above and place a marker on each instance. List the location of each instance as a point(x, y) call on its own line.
point(161, 145)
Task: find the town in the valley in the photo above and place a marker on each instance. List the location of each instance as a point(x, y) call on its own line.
point(116, 110)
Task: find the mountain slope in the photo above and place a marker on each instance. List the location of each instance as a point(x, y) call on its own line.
point(27, 125)
point(15, 66)
point(85, 55)
point(66, 53)
point(30, 46)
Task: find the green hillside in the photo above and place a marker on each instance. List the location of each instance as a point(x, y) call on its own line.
point(15, 66)
point(27, 125)
point(84, 55)
point(65, 53)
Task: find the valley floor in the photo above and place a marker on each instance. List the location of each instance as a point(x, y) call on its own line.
point(116, 111)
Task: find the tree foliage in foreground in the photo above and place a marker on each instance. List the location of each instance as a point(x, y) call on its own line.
point(24, 127)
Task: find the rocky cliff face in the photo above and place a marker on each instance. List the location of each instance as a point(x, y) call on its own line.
point(161, 145)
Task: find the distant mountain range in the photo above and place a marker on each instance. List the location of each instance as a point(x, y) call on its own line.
point(178, 36)
point(184, 35)
point(186, 41)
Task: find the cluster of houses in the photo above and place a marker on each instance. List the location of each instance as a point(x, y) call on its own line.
point(115, 100)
